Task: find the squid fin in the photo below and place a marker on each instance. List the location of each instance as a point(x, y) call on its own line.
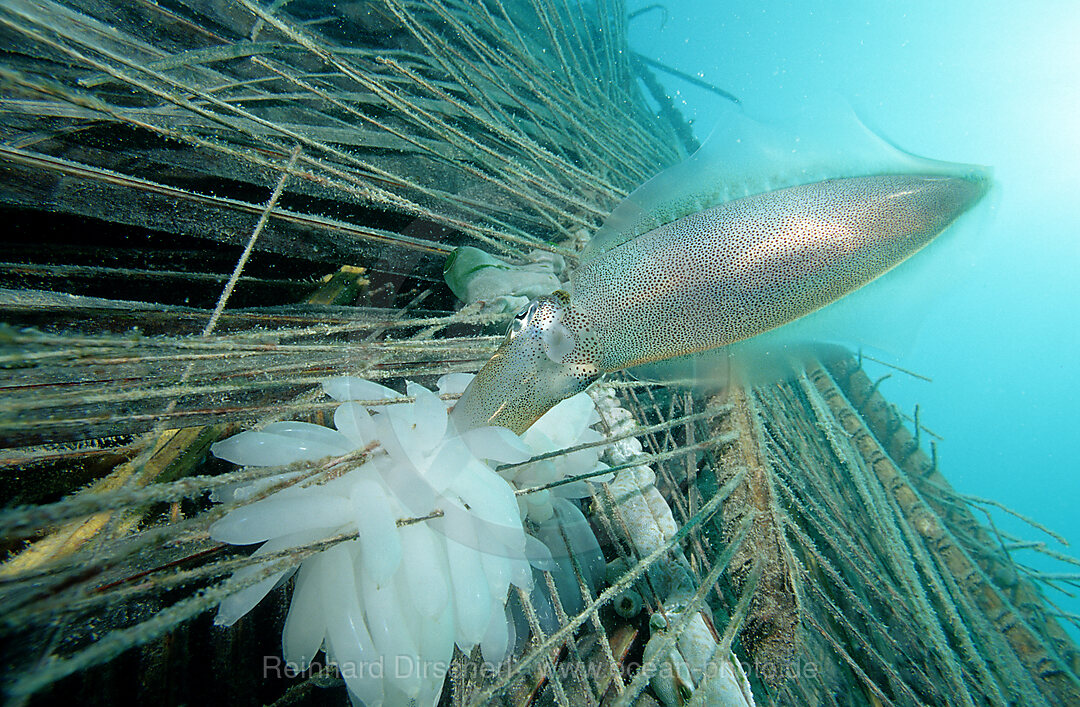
point(744, 156)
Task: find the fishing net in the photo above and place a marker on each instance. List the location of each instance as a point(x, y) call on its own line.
point(213, 206)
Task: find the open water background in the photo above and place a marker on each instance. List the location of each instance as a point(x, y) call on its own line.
point(992, 83)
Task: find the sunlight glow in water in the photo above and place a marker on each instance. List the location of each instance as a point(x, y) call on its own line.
point(991, 83)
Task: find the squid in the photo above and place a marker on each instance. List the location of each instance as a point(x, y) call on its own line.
point(761, 228)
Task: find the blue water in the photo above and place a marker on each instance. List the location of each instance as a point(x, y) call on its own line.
point(991, 83)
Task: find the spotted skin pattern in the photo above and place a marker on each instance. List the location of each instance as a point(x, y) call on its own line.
point(710, 279)
point(748, 266)
point(550, 353)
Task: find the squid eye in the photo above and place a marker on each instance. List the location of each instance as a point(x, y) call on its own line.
point(525, 312)
point(520, 321)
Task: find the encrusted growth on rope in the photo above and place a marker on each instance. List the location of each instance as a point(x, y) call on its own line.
point(770, 631)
